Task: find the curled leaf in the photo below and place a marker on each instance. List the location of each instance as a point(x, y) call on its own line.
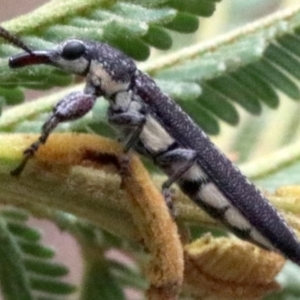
point(159, 232)
point(80, 174)
point(287, 198)
point(229, 269)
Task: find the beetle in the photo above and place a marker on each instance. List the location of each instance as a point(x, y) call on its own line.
point(151, 123)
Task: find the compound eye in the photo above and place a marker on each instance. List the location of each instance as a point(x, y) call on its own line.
point(73, 50)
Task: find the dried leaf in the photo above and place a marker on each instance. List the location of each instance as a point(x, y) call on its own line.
point(229, 269)
point(159, 232)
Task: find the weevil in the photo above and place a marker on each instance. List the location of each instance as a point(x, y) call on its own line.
point(152, 124)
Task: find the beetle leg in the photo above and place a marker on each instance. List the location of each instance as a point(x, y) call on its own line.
point(71, 107)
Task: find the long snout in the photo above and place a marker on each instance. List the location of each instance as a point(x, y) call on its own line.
point(32, 58)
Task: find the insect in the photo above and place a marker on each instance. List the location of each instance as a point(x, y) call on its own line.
point(152, 124)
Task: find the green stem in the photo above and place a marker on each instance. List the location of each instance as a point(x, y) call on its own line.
point(53, 12)
point(272, 163)
point(190, 52)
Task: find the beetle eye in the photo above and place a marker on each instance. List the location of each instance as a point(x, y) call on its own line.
point(73, 50)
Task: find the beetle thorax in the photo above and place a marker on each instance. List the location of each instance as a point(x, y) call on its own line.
point(105, 80)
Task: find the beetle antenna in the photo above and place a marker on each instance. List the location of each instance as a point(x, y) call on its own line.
point(14, 40)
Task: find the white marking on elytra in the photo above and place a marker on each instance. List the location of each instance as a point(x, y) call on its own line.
point(236, 219)
point(261, 240)
point(194, 173)
point(212, 196)
point(154, 136)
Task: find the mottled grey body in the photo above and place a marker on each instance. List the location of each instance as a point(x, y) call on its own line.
point(215, 184)
point(155, 126)
point(211, 181)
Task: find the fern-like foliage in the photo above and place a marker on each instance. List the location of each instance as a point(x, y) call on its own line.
point(104, 276)
point(27, 269)
point(247, 67)
point(132, 26)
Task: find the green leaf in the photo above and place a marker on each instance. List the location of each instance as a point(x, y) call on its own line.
point(210, 81)
point(287, 175)
point(14, 214)
point(215, 102)
point(249, 66)
point(181, 90)
point(268, 71)
point(51, 286)
point(13, 279)
point(184, 23)
point(158, 37)
point(24, 232)
point(41, 267)
point(25, 266)
point(232, 90)
point(99, 283)
point(131, 26)
point(246, 68)
point(12, 96)
point(140, 13)
point(205, 119)
point(260, 88)
point(103, 277)
point(37, 250)
point(198, 7)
